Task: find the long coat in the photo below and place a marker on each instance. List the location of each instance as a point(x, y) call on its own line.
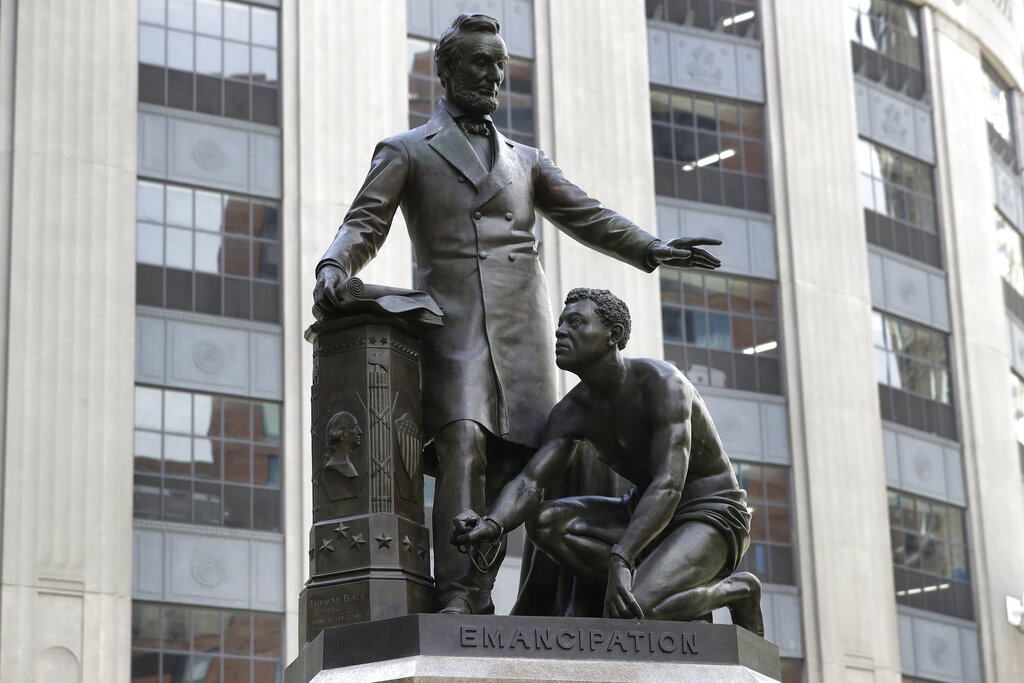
point(476, 254)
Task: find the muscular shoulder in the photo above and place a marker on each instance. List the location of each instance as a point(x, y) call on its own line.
point(663, 385)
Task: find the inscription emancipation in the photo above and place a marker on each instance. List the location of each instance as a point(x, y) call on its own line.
point(637, 641)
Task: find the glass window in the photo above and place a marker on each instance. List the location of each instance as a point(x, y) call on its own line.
point(734, 17)
point(188, 47)
point(998, 113)
point(912, 358)
point(220, 459)
point(721, 330)
point(886, 42)
point(898, 195)
point(770, 555)
point(181, 643)
point(184, 244)
point(709, 149)
point(1010, 257)
point(930, 555)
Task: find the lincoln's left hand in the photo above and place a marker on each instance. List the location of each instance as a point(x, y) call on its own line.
point(685, 252)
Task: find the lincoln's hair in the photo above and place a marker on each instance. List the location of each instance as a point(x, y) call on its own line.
point(449, 46)
point(610, 309)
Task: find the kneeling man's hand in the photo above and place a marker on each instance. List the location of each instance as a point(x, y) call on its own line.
point(469, 529)
point(619, 601)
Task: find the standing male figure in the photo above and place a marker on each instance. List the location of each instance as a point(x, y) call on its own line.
point(468, 196)
point(669, 549)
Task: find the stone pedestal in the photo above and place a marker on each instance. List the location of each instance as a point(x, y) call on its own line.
point(368, 547)
point(443, 647)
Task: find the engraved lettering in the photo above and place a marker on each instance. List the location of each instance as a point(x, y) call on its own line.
point(469, 636)
point(542, 639)
point(518, 637)
point(568, 642)
point(616, 641)
point(672, 645)
point(596, 638)
point(689, 643)
point(492, 638)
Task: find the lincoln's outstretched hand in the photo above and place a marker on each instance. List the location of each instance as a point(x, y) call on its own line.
point(330, 282)
point(685, 252)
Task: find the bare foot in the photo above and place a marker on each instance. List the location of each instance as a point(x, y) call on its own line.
point(745, 607)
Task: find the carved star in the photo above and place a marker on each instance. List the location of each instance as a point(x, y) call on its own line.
point(358, 541)
point(371, 340)
point(312, 551)
point(407, 544)
point(421, 552)
point(326, 546)
point(341, 530)
point(383, 541)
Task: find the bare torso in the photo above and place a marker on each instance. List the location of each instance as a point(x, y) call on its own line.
point(621, 427)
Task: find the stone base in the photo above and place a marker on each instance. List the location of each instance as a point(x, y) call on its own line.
point(441, 647)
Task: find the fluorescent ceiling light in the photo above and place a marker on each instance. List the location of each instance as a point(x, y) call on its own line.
point(708, 160)
point(739, 18)
point(760, 348)
point(926, 589)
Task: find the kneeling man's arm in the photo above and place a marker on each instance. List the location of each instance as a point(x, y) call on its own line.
point(669, 461)
point(520, 497)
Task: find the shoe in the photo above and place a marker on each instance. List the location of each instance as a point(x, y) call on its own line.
point(456, 605)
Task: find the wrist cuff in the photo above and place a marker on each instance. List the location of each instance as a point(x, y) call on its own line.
point(501, 529)
point(649, 256)
point(624, 555)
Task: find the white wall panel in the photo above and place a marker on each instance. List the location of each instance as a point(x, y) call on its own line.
point(752, 427)
point(208, 566)
point(705, 62)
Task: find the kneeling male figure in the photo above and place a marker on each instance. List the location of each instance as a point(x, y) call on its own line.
point(669, 549)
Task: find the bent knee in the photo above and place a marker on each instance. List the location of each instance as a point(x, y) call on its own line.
point(548, 524)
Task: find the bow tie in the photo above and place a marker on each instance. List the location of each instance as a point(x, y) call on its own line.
point(473, 126)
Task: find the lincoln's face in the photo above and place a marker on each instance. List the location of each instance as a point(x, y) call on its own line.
point(581, 338)
point(477, 73)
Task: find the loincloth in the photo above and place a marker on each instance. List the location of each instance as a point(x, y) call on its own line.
point(726, 511)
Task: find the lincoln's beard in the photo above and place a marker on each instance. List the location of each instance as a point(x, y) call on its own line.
point(472, 102)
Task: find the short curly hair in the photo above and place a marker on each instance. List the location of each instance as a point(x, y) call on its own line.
point(449, 45)
point(611, 309)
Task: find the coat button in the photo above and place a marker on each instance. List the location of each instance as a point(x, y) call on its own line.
point(483, 253)
point(512, 256)
point(477, 215)
point(509, 216)
point(462, 178)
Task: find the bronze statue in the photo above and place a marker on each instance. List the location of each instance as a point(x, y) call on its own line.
point(669, 549)
point(469, 196)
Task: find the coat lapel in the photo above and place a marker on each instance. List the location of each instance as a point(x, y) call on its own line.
point(501, 173)
point(444, 136)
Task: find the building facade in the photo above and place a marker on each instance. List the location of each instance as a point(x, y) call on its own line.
point(172, 170)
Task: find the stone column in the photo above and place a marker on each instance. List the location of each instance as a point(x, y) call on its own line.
point(368, 546)
point(67, 226)
point(980, 348)
point(838, 466)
